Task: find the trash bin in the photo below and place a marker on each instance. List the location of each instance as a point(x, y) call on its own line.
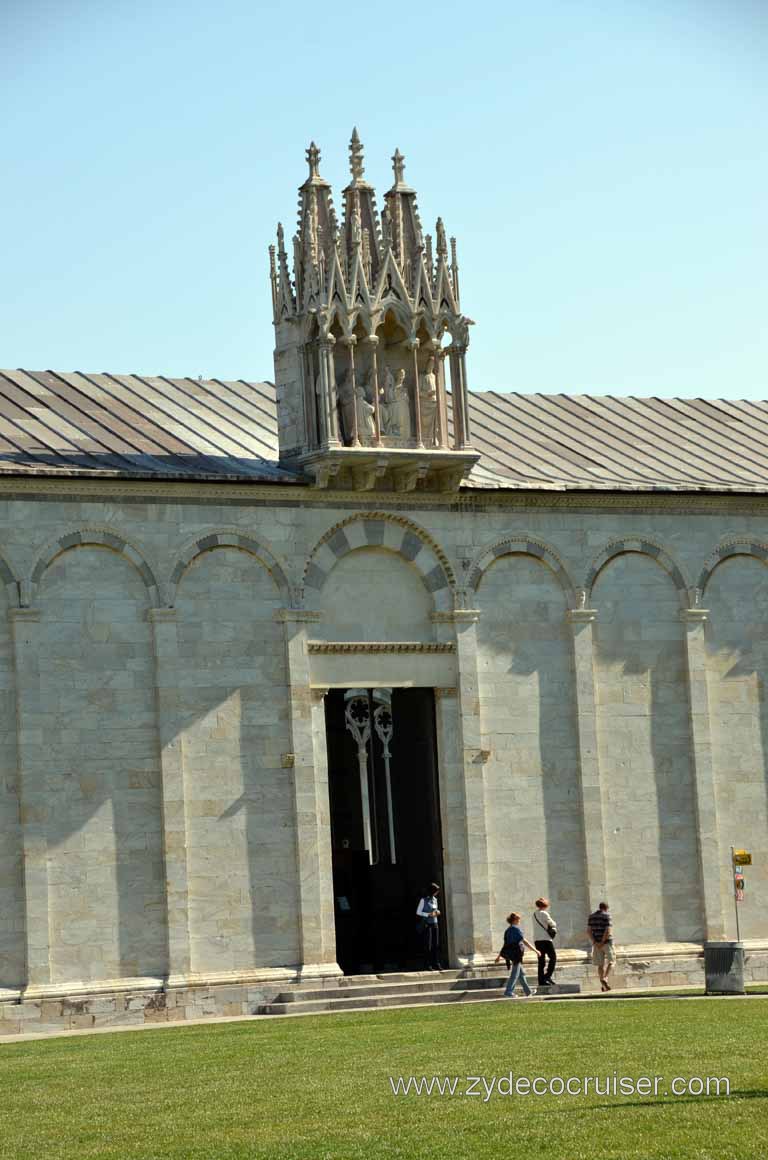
point(724, 968)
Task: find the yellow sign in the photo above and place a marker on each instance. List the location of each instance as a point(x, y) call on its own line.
point(742, 858)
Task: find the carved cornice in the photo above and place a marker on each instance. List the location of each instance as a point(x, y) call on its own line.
point(161, 615)
point(581, 615)
point(469, 500)
point(298, 615)
point(457, 616)
point(364, 646)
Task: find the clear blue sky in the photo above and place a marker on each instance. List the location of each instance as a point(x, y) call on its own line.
point(602, 164)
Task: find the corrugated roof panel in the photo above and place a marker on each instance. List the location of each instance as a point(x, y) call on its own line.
point(130, 425)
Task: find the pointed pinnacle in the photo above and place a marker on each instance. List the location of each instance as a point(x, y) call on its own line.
point(313, 159)
point(398, 165)
point(356, 156)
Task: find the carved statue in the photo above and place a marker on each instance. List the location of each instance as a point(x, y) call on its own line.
point(366, 426)
point(352, 399)
point(346, 395)
point(394, 407)
point(428, 403)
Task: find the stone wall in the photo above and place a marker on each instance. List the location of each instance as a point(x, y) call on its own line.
point(162, 779)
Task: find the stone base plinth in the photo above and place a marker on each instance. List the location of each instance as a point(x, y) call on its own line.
point(127, 1002)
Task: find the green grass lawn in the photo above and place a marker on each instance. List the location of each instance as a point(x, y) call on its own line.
point(318, 1087)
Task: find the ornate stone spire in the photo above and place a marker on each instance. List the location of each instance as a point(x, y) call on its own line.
point(360, 358)
point(356, 158)
point(398, 167)
point(313, 160)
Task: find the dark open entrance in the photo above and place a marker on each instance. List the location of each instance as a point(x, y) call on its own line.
point(385, 823)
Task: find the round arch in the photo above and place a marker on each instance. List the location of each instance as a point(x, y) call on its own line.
point(381, 530)
point(642, 548)
point(98, 538)
point(725, 551)
point(524, 546)
point(228, 539)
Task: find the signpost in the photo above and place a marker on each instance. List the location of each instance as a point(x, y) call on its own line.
point(739, 858)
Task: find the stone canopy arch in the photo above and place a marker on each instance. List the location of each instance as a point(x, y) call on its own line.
point(381, 530)
point(726, 550)
point(640, 547)
point(524, 546)
point(98, 538)
point(227, 539)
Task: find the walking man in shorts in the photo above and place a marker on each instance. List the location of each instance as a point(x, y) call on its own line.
point(601, 932)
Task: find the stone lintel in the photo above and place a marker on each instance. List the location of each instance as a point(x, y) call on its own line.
point(694, 615)
point(298, 616)
point(401, 646)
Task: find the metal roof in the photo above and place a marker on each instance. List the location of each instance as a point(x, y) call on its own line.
point(156, 427)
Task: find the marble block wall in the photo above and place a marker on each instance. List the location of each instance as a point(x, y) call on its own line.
point(163, 797)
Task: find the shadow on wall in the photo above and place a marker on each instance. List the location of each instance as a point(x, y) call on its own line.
point(101, 769)
point(737, 665)
point(645, 757)
point(527, 693)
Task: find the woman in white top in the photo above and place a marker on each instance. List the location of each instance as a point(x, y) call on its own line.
point(544, 931)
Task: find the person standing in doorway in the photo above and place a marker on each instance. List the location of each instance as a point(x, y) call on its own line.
point(544, 931)
point(429, 914)
point(600, 926)
point(512, 952)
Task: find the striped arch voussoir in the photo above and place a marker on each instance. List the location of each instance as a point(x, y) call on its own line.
point(381, 530)
point(103, 538)
point(726, 550)
point(237, 540)
point(521, 545)
point(644, 548)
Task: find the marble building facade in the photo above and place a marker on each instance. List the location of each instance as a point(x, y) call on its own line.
point(597, 654)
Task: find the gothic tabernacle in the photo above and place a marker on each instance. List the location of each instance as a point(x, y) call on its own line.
point(277, 656)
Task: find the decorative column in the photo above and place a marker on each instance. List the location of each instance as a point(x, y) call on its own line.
point(582, 621)
point(457, 358)
point(34, 758)
point(317, 930)
point(373, 342)
point(462, 770)
point(710, 865)
point(328, 392)
point(413, 344)
point(170, 730)
point(350, 344)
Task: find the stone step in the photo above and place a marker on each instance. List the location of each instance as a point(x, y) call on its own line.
point(405, 995)
point(396, 987)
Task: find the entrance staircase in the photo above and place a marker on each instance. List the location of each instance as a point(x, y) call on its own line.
point(361, 992)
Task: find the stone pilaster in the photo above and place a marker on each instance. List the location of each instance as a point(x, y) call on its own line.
point(710, 865)
point(165, 641)
point(582, 622)
point(462, 774)
point(33, 762)
point(317, 930)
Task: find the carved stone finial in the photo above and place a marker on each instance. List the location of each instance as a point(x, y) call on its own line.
point(280, 238)
point(313, 160)
point(356, 157)
point(442, 245)
point(398, 165)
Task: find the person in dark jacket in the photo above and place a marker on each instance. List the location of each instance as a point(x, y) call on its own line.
point(512, 953)
point(428, 914)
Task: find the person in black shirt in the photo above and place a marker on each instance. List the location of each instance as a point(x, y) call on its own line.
point(600, 927)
